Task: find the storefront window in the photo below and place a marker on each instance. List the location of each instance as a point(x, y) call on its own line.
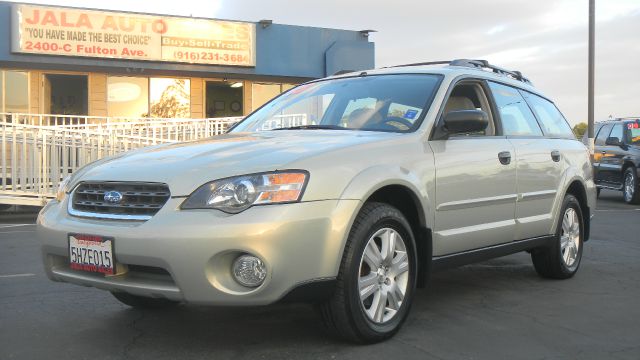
point(224, 99)
point(169, 98)
point(1, 91)
point(286, 87)
point(261, 93)
point(127, 96)
point(66, 94)
point(14, 91)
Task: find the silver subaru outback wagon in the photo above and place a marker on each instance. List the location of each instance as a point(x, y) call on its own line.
point(347, 192)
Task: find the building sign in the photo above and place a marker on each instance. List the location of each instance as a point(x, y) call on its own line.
point(90, 33)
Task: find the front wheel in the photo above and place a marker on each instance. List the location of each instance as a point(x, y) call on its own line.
point(377, 277)
point(630, 186)
point(562, 259)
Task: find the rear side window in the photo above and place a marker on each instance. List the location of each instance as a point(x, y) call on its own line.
point(603, 134)
point(515, 115)
point(552, 122)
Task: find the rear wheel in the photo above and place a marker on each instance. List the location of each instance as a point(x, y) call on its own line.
point(630, 186)
point(377, 277)
point(562, 259)
point(142, 302)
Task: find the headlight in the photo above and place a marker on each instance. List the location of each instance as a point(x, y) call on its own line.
point(62, 188)
point(236, 194)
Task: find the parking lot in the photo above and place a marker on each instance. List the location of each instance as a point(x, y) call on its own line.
point(498, 309)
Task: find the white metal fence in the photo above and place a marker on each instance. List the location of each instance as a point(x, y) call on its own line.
point(39, 151)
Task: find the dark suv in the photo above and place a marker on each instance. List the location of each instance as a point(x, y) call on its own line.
point(616, 160)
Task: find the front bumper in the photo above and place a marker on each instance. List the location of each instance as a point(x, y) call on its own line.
point(186, 255)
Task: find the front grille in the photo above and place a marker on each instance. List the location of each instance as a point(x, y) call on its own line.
point(139, 200)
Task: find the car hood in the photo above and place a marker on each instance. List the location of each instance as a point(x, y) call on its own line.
point(186, 166)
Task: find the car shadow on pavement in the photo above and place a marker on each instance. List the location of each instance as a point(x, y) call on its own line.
point(236, 332)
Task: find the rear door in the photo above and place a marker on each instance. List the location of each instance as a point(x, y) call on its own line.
point(560, 149)
point(537, 173)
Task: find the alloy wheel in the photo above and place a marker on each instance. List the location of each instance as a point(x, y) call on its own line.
point(629, 188)
point(383, 275)
point(570, 237)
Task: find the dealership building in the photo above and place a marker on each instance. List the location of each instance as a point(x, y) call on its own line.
point(106, 64)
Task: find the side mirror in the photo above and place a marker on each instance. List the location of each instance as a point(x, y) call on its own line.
point(466, 121)
point(613, 141)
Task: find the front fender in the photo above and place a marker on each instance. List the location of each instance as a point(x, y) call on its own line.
point(372, 179)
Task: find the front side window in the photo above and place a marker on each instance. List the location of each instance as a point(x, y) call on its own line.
point(601, 138)
point(377, 103)
point(551, 120)
point(617, 132)
point(515, 115)
point(470, 96)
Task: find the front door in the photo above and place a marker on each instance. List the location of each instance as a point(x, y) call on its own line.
point(612, 160)
point(475, 181)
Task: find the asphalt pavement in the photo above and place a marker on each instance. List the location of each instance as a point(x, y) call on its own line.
point(499, 309)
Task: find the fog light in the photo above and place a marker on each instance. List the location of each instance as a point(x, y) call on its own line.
point(249, 271)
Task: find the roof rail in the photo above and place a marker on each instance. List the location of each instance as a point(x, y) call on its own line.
point(477, 64)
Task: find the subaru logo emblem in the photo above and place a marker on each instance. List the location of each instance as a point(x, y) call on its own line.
point(112, 197)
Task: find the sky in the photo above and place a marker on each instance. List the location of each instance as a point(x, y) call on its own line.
point(545, 39)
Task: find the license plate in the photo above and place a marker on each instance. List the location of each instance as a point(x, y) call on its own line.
point(91, 253)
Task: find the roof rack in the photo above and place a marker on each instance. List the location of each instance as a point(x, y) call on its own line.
point(476, 64)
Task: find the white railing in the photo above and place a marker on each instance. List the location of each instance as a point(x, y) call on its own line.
point(37, 151)
point(283, 121)
point(34, 158)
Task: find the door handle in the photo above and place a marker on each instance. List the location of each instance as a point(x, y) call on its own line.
point(555, 155)
point(504, 157)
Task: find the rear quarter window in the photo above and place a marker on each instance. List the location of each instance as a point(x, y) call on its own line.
point(633, 133)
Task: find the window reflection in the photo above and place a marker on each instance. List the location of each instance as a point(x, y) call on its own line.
point(127, 96)
point(169, 98)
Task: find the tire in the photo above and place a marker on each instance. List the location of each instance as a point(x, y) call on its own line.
point(561, 260)
point(630, 192)
point(345, 313)
point(142, 302)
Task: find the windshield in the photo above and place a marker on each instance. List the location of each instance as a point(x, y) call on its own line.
point(634, 132)
point(379, 102)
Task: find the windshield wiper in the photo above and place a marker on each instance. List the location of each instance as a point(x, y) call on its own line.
point(313, 127)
